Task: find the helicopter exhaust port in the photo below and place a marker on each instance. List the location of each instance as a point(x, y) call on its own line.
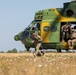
point(69, 13)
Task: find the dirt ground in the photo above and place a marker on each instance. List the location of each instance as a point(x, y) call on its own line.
point(26, 64)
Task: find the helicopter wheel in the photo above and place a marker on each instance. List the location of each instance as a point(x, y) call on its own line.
point(27, 48)
point(58, 50)
point(67, 50)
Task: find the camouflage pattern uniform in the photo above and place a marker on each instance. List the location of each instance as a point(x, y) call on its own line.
point(72, 40)
point(66, 30)
point(37, 41)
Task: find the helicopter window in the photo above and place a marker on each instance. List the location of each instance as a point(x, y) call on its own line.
point(24, 35)
point(36, 26)
point(54, 28)
point(46, 28)
point(29, 26)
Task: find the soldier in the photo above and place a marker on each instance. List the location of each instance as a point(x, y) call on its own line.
point(37, 41)
point(72, 40)
point(66, 30)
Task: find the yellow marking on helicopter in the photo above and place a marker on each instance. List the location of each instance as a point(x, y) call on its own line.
point(45, 34)
point(61, 18)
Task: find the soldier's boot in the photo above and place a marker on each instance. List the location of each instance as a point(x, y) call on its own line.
point(38, 53)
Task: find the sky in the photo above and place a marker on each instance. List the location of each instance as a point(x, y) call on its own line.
point(16, 15)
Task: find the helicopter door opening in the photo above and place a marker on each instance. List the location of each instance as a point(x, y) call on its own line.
point(72, 25)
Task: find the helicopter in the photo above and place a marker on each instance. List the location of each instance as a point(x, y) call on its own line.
point(48, 24)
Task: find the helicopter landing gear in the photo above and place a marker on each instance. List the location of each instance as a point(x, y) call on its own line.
point(27, 48)
point(58, 50)
point(59, 47)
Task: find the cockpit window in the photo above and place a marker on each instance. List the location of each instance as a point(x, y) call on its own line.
point(33, 26)
point(36, 26)
point(24, 35)
point(29, 26)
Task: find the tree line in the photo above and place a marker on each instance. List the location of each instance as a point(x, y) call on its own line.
point(13, 51)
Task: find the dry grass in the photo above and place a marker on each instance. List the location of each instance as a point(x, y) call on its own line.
point(49, 64)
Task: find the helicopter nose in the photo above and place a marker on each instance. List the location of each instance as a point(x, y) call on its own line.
point(16, 38)
point(24, 35)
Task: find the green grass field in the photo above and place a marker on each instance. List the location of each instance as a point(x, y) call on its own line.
point(49, 64)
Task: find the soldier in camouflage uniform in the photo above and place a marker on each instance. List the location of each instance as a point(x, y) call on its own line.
point(37, 41)
point(66, 30)
point(72, 39)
